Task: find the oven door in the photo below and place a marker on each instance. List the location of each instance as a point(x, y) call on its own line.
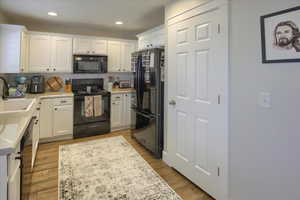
point(89, 64)
point(79, 110)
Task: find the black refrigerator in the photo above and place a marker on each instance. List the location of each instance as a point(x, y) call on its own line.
point(148, 66)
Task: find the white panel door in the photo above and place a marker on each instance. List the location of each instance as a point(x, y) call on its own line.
point(114, 56)
point(82, 46)
point(127, 49)
point(63, 120)
point(194, 111)
point(39, 53)
point(61, 55)
point(99, 47)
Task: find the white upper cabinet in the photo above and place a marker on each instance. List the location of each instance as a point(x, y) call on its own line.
point(50, 53)
point(39, 53)
point(152, 38)
point(89, 46)
point(119, 56)
point(82, 46)
point(114, 56)
point(13, 49)
point(127, 48)
point(99, 47)
point(61, 60)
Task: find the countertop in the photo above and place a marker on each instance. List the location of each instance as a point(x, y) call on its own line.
point(50, 95)
point(122, 90)
point(12, 129)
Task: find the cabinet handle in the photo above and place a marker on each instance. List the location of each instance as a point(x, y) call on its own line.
point(93, 51)
point(88, 51)
point(18, 158)
point(63, 101)
point(55, 109)
point(37, 108)
point(54, 69)
point(47, 69)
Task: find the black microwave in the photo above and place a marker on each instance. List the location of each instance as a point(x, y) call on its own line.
point(89, 64)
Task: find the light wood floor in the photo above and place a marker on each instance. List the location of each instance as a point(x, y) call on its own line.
point(42, 182)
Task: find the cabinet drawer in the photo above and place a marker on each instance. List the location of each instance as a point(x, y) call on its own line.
point(63, 101)
point(116, 97)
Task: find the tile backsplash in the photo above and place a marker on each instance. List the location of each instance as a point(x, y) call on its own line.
point(11, 78)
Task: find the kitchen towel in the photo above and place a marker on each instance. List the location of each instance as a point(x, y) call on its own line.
point(98, 111)
point(89, 106)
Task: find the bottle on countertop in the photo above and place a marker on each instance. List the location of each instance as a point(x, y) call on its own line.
point(68, 85)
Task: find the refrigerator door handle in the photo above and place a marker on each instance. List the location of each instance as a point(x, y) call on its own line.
point(145, 115)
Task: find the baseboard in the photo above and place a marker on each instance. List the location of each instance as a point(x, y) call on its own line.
point(57, 138)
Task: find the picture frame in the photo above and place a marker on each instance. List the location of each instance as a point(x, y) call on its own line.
point(280, 36)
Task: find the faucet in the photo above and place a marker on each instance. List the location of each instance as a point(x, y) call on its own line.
point(5, 93)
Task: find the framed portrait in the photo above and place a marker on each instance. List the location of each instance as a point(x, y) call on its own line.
point(280, 34)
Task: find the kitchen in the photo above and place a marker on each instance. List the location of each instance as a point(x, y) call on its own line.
point(61, 87)
point(46, 62)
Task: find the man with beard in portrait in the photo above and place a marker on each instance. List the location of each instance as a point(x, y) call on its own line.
point(296, 42)
point(284, 34)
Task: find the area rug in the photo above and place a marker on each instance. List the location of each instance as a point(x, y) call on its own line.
point(109, 169)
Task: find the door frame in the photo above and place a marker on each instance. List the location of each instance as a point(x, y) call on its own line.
point(204, 7)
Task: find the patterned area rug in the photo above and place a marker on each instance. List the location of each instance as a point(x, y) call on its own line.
point(108, 169)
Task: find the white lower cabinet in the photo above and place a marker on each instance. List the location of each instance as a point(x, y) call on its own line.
point(121, 113)
point(56, 117)
point(35, 135)
point(14, 174)
point(60, 114)
point(14, 183)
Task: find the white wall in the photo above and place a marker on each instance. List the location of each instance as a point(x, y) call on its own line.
point(264, 143)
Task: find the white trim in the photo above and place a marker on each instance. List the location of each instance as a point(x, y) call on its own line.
point(200, 9)
point(79, 36)
point(157, 28)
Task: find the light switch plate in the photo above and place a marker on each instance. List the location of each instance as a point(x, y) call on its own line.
point(265, 100)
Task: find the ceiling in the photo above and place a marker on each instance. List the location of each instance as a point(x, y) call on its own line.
point(91, 17)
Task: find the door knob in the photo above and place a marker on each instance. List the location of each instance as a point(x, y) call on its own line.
point(172, 102)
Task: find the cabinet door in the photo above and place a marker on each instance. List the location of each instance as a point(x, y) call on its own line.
point(114, 56)
point(144, 42)
point(127, 50)
point(61, 55)
point(14, 185)
point(82, 46)
point(117, 111)
point(63, 120)
point(39, 53)
point(99, 47)
point(35, 138)
point(127, 110)
point(24, 52)
point(46, 120)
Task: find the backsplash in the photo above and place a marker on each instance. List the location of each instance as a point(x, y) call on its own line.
point(11, 78)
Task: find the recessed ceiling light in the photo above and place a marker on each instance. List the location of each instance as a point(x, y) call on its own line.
point(119, 22)
point(52, 13)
